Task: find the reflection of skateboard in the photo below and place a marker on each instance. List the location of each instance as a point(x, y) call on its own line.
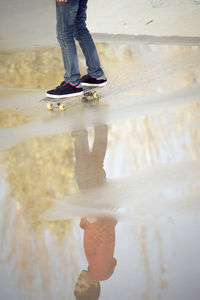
point(89, 94)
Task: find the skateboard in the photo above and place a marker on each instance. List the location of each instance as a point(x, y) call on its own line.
point(89, 94)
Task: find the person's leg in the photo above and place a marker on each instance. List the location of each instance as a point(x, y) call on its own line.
point(66, 13)
point(86, 42)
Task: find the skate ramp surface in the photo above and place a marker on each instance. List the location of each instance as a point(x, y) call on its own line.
point(118, 178)
point(26, 24)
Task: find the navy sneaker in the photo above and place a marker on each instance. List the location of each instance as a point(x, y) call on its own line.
point(88, 80)
point(65, 90)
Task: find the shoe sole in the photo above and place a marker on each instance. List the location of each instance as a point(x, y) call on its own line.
point(93, 84)
point(64, 96)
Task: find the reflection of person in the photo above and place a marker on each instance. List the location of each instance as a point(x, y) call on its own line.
point(71, 23)
point(86, 288)
point(99, 244)
point(99, 232)
point(89, 165)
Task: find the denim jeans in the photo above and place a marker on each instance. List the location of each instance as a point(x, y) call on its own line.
point(71, 25)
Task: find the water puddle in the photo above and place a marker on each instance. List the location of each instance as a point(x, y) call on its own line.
point(102, 201)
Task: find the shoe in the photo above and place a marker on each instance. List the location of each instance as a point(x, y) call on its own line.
point(88, 80)
point(65, 90)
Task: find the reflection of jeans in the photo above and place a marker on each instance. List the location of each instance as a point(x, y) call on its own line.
point(71, 22)
point(89, 164)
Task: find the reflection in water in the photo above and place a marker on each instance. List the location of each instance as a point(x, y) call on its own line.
point(89, 165)
point(35, 174)
point(154, 139)
point(99, 232)
point(99, 243)
point(163, 266)
point(11, 118)
point(42, 67)
point(146, 259)
point(63, 166)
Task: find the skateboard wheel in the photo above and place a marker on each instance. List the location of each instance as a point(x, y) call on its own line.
point(62, 106)
point(96, 95)
point(84, 99)
point(50, 106)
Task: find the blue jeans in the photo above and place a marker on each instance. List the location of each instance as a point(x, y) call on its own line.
point(71, 25)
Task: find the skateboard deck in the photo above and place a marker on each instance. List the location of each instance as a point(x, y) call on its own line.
point(89, 93)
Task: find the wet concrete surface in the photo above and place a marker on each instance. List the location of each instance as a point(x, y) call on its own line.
point(103, 198)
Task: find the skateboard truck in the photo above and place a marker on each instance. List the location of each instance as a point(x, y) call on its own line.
point(89, 96)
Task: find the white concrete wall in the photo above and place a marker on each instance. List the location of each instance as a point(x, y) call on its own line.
point(27, 23)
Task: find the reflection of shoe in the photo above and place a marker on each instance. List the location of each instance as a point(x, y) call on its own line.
point(88, 80)
point(65, 90)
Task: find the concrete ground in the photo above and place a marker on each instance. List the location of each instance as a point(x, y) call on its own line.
point(102, 198)
point(26, 24)
point(126, 166)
